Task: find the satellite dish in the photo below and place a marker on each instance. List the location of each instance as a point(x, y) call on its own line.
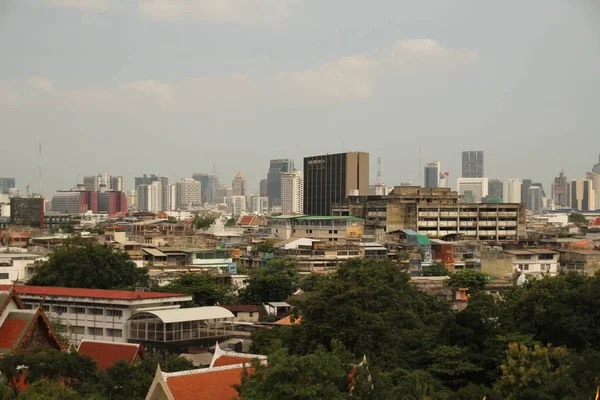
point(521, 280)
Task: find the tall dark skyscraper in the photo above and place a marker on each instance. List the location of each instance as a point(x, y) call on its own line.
point(27, 211)
point(331, 178)
point(472, 164)
point(276, 168)
point(204, 180)
point(432, 174)
point(263, 188)
point(525, 185)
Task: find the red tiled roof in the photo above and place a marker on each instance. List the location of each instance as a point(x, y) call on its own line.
point(595, 222)
point(106, 354)
point(246, 220)
point(288, 321)
point(210, 385)
point(229, 360)
point(89, 293)
point(11, 331)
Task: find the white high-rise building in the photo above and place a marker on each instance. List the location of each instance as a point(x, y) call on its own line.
point(511, 192)
point(91, 183)
point(117, 183)
point(236, 205)
point(169, 197)
point(149, 197)
point(258, 204)
point(472, 189)
point(188, 192)
point(292, 193)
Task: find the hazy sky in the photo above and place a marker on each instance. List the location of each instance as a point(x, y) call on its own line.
point(175, 86)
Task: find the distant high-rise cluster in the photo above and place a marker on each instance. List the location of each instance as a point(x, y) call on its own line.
point(432, 174)
point(472, 164)
point(6, 184)
point(276, 169)
point(292, 193)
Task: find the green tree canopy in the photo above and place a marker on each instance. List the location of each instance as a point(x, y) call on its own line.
point(435, 269)
point(47, 390)
point(275, 282)
point(267, 246)
point(468, 278)
point(578, 218)
point(89, 265)
point(203, 222)
point(206, 289)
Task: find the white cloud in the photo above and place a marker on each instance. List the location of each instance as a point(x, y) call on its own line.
point(213, 10)
point(39, 83)
point(84, 5)
point(159, 92)
point(430, 53)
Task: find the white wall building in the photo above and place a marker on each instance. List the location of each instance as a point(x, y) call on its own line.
point(236, 205)
point(292, 193)
point(258, 205)
point(535, 261)
point(188, 192)
point(511, 192)
point(475, 188)
point(17, 267)
point(149, 197)
point(169, 197)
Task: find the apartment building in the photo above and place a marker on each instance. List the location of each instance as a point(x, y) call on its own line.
point(535, 261)
point(329, 228)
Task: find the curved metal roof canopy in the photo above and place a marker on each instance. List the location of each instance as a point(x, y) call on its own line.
point(187, 314)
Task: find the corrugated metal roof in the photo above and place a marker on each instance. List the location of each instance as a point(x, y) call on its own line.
point(154, 252)
point(188, 314)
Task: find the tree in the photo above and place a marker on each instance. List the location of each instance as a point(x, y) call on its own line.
point(319, 375)
point(451, 366)
point(578, 218)
point(436, 269)
point(537, 373)
point(275, 282)
point(468, 278)
point(267, 246)
point(203, 222)
point(204, 288)
point(47, 390)
point(89, 265)
point(417, 385)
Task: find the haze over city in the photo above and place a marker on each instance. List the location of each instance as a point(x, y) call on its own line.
point(175, 87)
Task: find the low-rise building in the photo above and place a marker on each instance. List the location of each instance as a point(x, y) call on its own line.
point(325, 228)
point(18, 267)
point(535, 261)
point(585, 261)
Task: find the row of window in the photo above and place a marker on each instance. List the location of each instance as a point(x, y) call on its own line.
point(77, 310)
point(543, 267)
point(93, 331)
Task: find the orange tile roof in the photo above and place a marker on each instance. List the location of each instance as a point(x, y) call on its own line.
point(288, 321)
point(88, 293)
point(106, 354)
point(231, 360)
point(11, 331)
point(208, 384)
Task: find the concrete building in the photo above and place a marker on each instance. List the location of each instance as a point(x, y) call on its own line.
point(258, 204)
point(559, 190)
point(27, 211)
point(330, 179)
point(239, 186)
point(149, 197)
point(236, 205)
point(148, 179)
point(535, 198)
point(535, 262)
point(524, 191)
point(495, 190)
point(511, 192)
point(91, 183)
point(263, 189)
point(117, 183)
point(292, 193)
point(325, 228)
point(436, 213)
point(204, 180)
point(188, 192)
point(6, 184)
point(444, 180)
point(472, 164)
point(169, 197)
point(581, 195)
point(112, 203)
point(432, 174)
point(18, 267)
point(212, 190)
point(472, 190)
point(276, 168)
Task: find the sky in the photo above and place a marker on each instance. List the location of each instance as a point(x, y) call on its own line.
point(176, 87)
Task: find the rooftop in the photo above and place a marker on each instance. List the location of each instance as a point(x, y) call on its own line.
point(89, 293)
point(317, 218)
point(210, 383)
point(106, 354)
point(187, 314)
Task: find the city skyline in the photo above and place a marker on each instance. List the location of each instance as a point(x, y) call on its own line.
point(423, 79)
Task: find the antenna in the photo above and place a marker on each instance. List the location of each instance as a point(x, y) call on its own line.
point(40, 162)
point(378, 183)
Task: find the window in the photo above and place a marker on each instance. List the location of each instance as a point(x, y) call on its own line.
point(80, 330)
point(335, 231)
point(114, 313)
point(60, 309)
point(78, 310)
point(4, 275)
point(28, 306)
point(94, 331)
point(526, 267)
point(251, 314)
point(114, 332)
point(95, 311)
point(46, 307)
point(524, 257)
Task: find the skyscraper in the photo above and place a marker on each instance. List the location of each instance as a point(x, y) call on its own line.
point(6, 184)
point(524, 190)
point(148, 179)
point(276, 168)
point(535, 198)
point(432, 174)
point(204, 180)
point(472, 164)
point(495, 189)
point(239, 185)
point(594, 176)
point(330, 179)
point(559, 190)
point(236, 205)
point(188, 192)
point(117, 183)
point(512, 191)
point(292, 193)
point(91, 183)
point(149, 197)
point(582, 195)
point(264, 188)
point(472, 190)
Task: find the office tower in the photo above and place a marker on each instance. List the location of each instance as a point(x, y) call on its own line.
point(104, 180)
point(27, 211)
point(6, 184)
point(472, 190)
point(91, 183)
point(149, 197)
point(495, 189)
point(223, 192)
point(292, 193)
point(131, 199)
point(444, 179)
point(211, 191)
point(169, 197)
point(236, 205)
point(432, 174)
point(512, 191)
point(258, 204)
point(472, 164)
point(330, 179)
point(582, 195)
point(188, 192)
point(594, 176)
point(239, 185)
point(264, 188)
point(204, 180)
point(559, 190)
point(535, 198)
point(112, 203)
point(524, 191)
point(276, 168)
point(117, 183)
point(148, 179)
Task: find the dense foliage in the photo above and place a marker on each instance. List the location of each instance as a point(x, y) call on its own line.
point(206, 289)
point(475, 281)
point(435, 269)
point(89, 265)
point(275, 282)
